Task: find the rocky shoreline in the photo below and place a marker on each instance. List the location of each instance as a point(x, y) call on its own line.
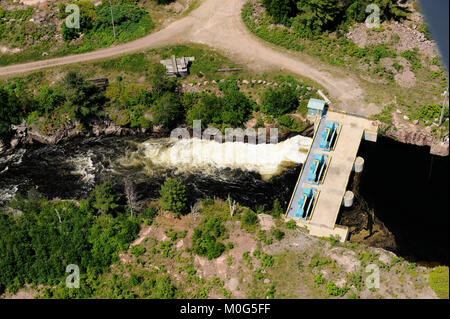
point(410, 133)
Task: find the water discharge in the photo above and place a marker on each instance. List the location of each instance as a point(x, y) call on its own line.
point(208, 168)
point(209, 157)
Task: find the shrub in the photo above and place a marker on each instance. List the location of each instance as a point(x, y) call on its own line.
point(276, 209)
point(318, 279)
point(204, 240)
point(149, 213)
point(291, 224)
point(249, 218)
point(278, 234)
point(278, 101)
point(173, 196)
point(267, 261)
point(430, 112)
point(137, 250)
point(334, 290)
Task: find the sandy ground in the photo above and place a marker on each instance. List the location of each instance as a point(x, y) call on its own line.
point(218, 24)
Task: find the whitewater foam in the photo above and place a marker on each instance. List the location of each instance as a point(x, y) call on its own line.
point(195, 155)
point(83, 167)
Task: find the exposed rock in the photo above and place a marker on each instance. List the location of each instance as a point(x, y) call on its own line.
point(266, 221)
point(415, 122)
point(406, 118)
point(441, 149)
point(244, 82)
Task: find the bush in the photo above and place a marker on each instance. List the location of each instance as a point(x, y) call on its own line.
point(334, 290)
point(278, 101)
point(103, 198)
point(291, 224)
point(249, 218)
point(278, 234)
point(204, 240)
point(173, 196)
point(267, 261)
point(137, 250)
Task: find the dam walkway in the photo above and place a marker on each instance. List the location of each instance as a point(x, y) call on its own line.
point(321, 189)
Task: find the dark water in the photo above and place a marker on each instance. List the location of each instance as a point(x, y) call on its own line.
point(409, 190)
point(49, 169)
point(406, 186)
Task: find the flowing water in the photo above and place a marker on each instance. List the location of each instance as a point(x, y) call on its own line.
point(405, 185)
point(252, 174)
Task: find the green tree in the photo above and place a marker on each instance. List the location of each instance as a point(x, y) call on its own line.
point(160, 82)
point(315, 16)
point(168, 110)
point(207, 110)
point(277, 101)
point(10, 109)
point(103, 198)
point(237, 108)
point(281, 10)
point(84, 100)
point(173, 196)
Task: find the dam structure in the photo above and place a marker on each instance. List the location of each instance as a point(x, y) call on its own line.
point(321, 189)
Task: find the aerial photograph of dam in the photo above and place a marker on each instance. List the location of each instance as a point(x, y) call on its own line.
point(238, 158)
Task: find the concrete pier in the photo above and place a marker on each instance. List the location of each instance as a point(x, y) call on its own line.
point(329, 194)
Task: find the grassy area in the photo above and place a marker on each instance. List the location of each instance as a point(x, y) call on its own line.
point(438, 280)
point(30, 34)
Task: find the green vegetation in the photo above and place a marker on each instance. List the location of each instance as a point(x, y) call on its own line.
point(438, 280)
point(278, 234)
point(318, 29)
point(173, 196)
point(291, 224)
point(160, 101)
point(312, 18)
point(42, 238)
point(205, 239)
point(334, 290)
point(430, 112)
point(131, 22)
point(278, 101)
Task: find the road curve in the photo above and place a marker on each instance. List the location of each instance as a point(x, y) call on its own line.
point(218, 24)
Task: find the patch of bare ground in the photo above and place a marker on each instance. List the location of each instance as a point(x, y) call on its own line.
point(399, 36)
point(227, 267)
point(26, 292)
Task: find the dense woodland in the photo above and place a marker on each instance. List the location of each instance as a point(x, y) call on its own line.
point(76, 100)
point(311, 18)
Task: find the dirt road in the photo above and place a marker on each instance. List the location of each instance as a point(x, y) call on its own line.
point(218, 24)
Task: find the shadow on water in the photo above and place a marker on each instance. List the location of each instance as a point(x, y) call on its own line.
point(408, 188)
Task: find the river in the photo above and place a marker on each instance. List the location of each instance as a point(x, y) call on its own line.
point(405, 185)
